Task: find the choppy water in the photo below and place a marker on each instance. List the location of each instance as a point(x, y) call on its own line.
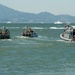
point(43, 55)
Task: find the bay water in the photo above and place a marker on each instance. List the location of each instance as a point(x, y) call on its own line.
point(46, 54)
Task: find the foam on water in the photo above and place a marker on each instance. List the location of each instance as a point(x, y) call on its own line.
point(13, 27)
point(35, 27)
point(6, 39)
point(38, 28)
point(21, 37)
point(56, 28)
point(39, 37)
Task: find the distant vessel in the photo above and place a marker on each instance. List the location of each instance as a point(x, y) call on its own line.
point(8, 22)
point(58, 22)
point(68, 34)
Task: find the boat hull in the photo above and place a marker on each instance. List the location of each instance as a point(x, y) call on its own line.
point(30, 35)
point(4, 36)
point(66, 39)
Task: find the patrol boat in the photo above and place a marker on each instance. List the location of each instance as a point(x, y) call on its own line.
point(4, 33)
point(29, 33)
point(68, 34)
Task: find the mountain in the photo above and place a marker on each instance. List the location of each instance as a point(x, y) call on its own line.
point(10, 15)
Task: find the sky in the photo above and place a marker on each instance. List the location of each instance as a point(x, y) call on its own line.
point(55, 7)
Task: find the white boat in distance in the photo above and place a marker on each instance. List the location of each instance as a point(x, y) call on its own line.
point(58, 22)
point(68, 34)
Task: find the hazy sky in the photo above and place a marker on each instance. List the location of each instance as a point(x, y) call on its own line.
point(56, 7)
